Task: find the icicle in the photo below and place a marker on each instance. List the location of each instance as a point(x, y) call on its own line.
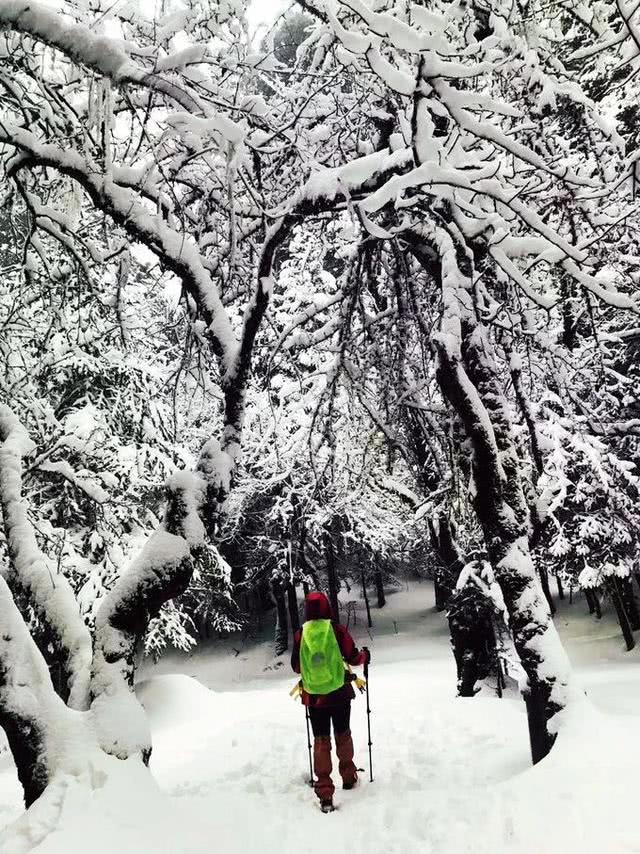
point(90, 118)
point(107, 123)
point(73, 203)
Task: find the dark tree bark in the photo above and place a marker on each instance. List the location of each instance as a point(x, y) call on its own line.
point(470, 644)
point(449, 559)
point(441, 594)
point(31, 581)
point(292, 603)
point(596, 603)
point(27, 699)
point(469, 383)
point(332, 574)
point(630, 604)
point(544, 581)
point(569, 321)
point(282, 627)
point(470, 634)
point(527, 413)
point(623, 618)
point(365, 596)
point(377, 577)
point(468, 675)
point(28, 747)
point(588, 595)
point(560, 587)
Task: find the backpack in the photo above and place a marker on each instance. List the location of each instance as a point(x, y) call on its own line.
point(321, 663)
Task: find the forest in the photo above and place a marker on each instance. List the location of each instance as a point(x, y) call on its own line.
point(348, 302)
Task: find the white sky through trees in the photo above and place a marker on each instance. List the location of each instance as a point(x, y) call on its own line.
point(261, 13)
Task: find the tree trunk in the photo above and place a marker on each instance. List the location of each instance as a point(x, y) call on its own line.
point(366, 601)
point(441, 594)
point(560, 587)
point(588, 595)
point(544, 581)
point(470, 384)
point(65, 639)
point(377, 577)
point(282, 628)
point(292, 603)
point(39, 725)
point(449, 558)
point(623, 619)
point(332, 576)
point(630, 604)
point(28, 703)
point(596, 602)
point(466, 634)
point(466, 659)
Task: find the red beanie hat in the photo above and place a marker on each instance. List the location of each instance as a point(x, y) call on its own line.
point(317, 607)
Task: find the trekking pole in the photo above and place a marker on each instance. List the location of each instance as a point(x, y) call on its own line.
point(306, 714)
point(366, 676)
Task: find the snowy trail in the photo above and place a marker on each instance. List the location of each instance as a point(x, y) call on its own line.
point(451, 775)
point(251, 770)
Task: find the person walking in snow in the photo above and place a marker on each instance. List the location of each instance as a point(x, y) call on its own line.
point(319, 651)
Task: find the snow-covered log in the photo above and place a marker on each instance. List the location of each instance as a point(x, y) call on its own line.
point(35, 579)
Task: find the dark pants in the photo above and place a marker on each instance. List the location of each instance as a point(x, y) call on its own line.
point(322, 718)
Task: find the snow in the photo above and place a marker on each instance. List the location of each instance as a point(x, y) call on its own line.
point(49, 590)
point(198, 130)
point(451, 775)
point(327, 183)
point(192, 488)
point(397, 80)
point(182, 58)
point(108, 56)
point(105, 55)
point(150, 228)
point(120, 724)
point(81, 479)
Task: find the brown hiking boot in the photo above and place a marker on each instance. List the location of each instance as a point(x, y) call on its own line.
point(347, 768)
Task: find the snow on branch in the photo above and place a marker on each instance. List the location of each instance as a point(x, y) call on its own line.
point(107, 56)
point(430, 176)
point(509, 268)
point(485, 130)
point(28, 702)
point(48, 591)
point(161, 571)
point(606, 295)
point(176, 251)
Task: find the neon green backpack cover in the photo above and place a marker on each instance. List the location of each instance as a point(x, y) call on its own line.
point(320, 658)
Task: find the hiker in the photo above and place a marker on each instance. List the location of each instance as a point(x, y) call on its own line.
point(319, 651)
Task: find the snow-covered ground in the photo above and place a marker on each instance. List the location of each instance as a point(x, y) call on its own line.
point(451, 775)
